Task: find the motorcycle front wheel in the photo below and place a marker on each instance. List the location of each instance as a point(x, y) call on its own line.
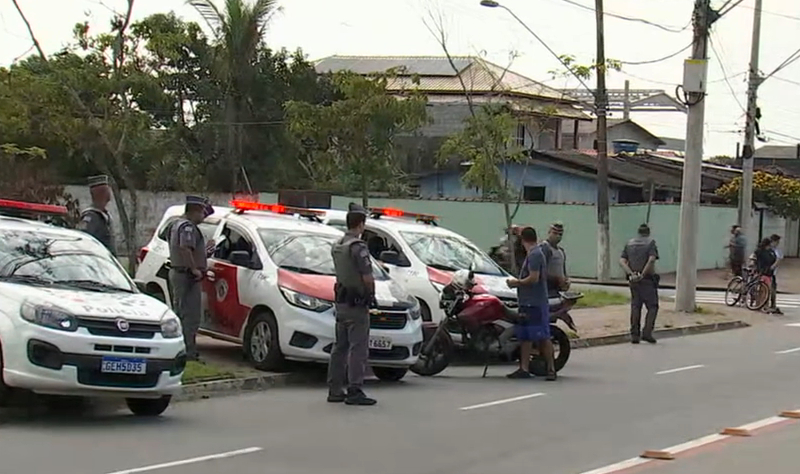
point(439, 358)
point(562, 348)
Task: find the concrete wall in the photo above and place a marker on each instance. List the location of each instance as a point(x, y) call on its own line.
point(483, 223)
point(560, 187)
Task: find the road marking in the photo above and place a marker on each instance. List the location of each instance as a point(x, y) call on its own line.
point(183, 462)
point(619, 467)
point(789, 351)
point(498, 402)
point(794, 325)
point(679, 369)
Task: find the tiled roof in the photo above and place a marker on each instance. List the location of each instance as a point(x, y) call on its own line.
point(524, 105)
point(777, 152)
point(436, 74)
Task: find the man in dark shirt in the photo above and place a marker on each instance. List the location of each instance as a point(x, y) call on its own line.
point(534, 324)
point(736, 248)
point(638, 260)
point(556, 258)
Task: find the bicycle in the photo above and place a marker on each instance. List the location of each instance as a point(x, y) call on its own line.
point(750, 289)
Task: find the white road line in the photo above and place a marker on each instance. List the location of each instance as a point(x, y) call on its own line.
point(789, 351)
point(679, 369)
point(497, 402)
point(211, 457)
point(679, 448)
point(620, 466)
point(794, 325)
point(763, 423)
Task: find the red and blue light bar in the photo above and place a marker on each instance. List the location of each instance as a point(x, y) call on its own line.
point(33, 208)
point(242, 205)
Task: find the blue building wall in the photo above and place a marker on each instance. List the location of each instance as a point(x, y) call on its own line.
point(559, 186)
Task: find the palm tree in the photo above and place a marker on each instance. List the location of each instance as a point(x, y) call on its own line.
point(238, 32)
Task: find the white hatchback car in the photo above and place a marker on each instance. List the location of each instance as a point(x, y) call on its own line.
point(422, 256)
point(269, 287)
point(72, 322)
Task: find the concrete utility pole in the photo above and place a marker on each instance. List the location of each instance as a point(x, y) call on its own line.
point(754, 80)
point(601, 104)
point(694, 85)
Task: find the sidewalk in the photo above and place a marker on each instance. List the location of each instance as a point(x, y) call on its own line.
point(710, 280)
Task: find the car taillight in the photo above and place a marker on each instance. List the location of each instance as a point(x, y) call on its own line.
point(142, 255)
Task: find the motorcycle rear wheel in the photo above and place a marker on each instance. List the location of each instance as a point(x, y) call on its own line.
point(538, 365)
point(439, 359)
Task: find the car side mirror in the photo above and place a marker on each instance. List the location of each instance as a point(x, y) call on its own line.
point(390, 257)
point(240, 258)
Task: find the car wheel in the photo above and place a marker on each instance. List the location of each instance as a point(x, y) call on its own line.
point(424, 310)
point(261, 342)
point(148, 406)
point(389, 374)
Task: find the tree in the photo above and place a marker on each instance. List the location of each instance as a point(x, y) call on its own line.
point(780, 194)
point(723, 160)
point(351, 141)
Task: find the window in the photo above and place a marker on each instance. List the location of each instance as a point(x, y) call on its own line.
point(450, 253)
point(519, 139)
point(377, 243)
point(533, 193)
point(207, 228)
point(235, 240)
point(341, 225)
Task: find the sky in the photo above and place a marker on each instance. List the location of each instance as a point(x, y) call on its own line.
point(398, 27)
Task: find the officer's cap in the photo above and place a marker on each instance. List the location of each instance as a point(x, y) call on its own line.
point(95, 181)
point(354, 208)
point(195, 200)
point(557, 227)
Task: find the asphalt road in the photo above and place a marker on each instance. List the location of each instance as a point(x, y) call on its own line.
point(610, 404)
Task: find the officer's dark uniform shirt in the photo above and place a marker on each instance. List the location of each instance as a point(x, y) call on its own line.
point(97, 223)
point(351, 260)
point(638, 250)
point(185, 234)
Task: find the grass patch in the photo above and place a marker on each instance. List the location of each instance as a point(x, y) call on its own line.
point(598, 298)
point(703, 310)
point(197, 372)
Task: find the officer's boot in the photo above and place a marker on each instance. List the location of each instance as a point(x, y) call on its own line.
point(356, 396)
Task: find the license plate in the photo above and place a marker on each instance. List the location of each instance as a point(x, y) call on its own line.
point(380, 343)
point(119, 365)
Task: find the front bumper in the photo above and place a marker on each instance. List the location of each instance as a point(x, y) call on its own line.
point(309, 336)
point(54, 362)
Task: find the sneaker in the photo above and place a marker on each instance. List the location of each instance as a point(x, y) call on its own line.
point(635, 340)
point(358, 397)
point(336, 397)
point(649, 339)
point(519, 374)
point(551, 377)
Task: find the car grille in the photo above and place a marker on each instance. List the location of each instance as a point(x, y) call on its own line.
point(98, 379)
point(392, 320)
point(396, 353)
point(108, 328)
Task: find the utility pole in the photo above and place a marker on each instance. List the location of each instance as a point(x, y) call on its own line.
point(694, 85)
point(754, 80)
point(601, 103)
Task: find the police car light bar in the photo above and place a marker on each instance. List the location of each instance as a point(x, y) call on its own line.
point(244, 205)
point(390, 212)
point(8, 205)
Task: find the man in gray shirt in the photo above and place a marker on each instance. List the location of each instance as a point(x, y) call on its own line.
point(638, 260)
point(556, 259)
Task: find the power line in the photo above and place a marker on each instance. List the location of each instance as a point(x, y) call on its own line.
point(788, 81)
point(773, 132)
point(782, 15)
point(653, 61)
point(794, 57)
point(670, 29)
point(724, 72)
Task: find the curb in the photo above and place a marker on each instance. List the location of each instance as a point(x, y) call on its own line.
point(260, 383)
point(661, 333)
point(590, 282)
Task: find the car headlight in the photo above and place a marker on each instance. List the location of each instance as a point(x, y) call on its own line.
point(304, 301)
point(171, 326)
point(415, 312)
point(48, 316)
point(438, 286)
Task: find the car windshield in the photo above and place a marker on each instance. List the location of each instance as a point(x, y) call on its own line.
point(305, 253)
point(450, 253)
point(45, 258)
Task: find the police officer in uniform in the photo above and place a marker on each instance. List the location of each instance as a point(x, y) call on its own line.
point(638, 260)
point(556, 259)
point(355, 293)
point(187, 253)
point(95, 220)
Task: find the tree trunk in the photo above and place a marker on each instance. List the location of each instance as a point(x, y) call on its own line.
point(230, 150)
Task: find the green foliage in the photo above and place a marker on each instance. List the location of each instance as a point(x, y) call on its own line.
point(485, 143)
point(349, 143)
point(781, 195)
point(583, 71)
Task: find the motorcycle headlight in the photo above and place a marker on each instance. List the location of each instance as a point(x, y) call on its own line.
point(304, 301)
point(171, 326)
point(48, 316)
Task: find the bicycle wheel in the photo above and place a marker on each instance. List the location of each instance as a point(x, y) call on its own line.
point(733, 293)
point(757, 295)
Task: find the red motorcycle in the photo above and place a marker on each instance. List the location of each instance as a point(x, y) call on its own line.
point(486, 326)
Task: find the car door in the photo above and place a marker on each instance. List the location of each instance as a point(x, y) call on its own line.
point(222, 285)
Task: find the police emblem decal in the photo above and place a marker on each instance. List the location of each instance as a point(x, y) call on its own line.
point(123, 325)
point(222, 290)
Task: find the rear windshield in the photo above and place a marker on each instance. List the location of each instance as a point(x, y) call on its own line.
point(305, 253)
point(207, 228)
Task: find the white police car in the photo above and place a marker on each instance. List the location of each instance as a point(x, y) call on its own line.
point(269, 287)
point(72, 322)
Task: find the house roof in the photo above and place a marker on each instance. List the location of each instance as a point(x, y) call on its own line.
point(778, 152)
point(673, 144)
point(436, 74)
point(589, 128)
point(523, 105)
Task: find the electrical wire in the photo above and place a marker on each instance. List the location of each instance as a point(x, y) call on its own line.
point(794, 57)
point(722, 11)
point(790, 137)
point(712, 41)
point(782, 15)
point(653, 61)
point(788, 81)
point(670, 29)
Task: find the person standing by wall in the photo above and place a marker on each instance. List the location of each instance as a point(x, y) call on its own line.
point(736, 250)
point(776, 248)
point(534, 309)
point(556, 259)
point(638, 259)
point(95, 220)
point(187, 253)
point(354, 293)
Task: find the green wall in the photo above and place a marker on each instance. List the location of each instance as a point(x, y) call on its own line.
point(483, 223)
